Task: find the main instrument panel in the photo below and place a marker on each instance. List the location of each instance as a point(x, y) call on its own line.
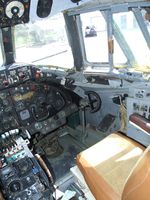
point(27, 102)
point(14, 12)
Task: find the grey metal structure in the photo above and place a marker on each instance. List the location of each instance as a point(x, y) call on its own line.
point(62, 111)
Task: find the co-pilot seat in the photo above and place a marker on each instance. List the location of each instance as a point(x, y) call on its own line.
point(117, 168)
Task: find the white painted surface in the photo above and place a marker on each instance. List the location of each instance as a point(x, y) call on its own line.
point(82, 184)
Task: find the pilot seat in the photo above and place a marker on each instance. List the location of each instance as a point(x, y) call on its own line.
point(117, 168)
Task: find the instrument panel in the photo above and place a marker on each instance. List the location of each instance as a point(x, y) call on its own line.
point(21, 176)
point(15, 75)
point(26, 101)
point(30, 103)
point(14, 12)
point(8, 117)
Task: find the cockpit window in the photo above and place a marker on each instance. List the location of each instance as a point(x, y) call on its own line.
point(44, 43)
point(94, 30)
point(129, 28)
point(1, 55)
point(116, 39)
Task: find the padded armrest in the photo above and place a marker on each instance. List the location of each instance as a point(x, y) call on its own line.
point(141, 122)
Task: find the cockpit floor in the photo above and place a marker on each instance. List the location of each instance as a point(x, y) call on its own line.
point(61, 149)
point(61, 164)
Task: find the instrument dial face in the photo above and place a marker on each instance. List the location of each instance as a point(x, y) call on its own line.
point(14, 8)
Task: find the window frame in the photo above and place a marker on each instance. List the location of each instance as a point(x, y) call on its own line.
point(110, 10)
point(2, 49)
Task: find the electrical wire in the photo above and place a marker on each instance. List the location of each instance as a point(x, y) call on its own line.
point(123, 115)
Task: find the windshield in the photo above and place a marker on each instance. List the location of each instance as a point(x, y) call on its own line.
point(1, 55)
point(94, 30)
point(130, 36)
point(129, 28)
point(44, 43)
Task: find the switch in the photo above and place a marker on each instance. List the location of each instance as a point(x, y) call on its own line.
point(5, 83)
point(144, 114)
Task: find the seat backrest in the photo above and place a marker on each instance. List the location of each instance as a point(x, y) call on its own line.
point(137, 186)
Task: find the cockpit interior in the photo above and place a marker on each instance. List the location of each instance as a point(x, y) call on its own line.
point(74, 100)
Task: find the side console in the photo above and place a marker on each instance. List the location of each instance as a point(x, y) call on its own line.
point(138, 102)
point(21, 176)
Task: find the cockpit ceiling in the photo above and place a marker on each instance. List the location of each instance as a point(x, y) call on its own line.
point(109, 2)
point(15, 12)
point(64, 5)
point(96, 3)
point(58, 6)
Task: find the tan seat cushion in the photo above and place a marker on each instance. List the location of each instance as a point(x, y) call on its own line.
point(106, 165)
point(137, 186)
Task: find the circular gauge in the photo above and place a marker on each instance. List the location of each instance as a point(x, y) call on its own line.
point(15, 186)
point(14, 8)
point(56, 100)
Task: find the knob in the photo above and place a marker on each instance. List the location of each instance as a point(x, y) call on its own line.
point(38, 74)
point(15, 186)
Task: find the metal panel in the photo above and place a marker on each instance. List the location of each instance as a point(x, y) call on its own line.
point(132, 131)
point(104, 5)
point(110, 37)
point(74, 39)
point(119, 8)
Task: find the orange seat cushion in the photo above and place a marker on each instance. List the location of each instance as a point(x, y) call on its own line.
point(107, 164)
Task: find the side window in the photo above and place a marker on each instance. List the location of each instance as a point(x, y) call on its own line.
point(119, 57)
point(94, 28)
point(123, 21)
point(133, 36)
